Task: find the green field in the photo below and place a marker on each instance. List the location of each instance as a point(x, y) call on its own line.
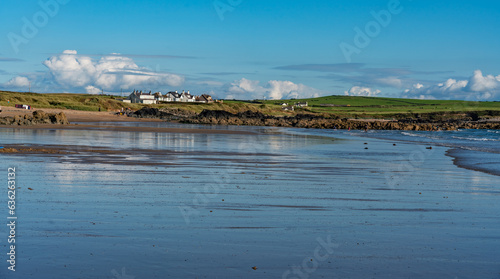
point(387, 107)
point(345, 106)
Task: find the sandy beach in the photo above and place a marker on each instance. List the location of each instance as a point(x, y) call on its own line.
point(90, 118)
point(75, 115)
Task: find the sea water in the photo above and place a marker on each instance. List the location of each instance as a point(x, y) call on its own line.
point(474, 149)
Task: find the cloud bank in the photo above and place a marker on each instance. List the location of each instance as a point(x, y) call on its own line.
point(477, 88)
point(362, 91)
point(18, 82)
point(274, 89)
point(71, 72)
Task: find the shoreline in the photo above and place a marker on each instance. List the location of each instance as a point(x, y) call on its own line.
point(459, 156)
point(462, 157)
point(252, 118)
point(100, 117)
point(472, 160)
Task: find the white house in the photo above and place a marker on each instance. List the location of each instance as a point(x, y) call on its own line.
point(171, 97)
point(142, 98)
point(186, 97)
point(301, 104)
point(159, 97)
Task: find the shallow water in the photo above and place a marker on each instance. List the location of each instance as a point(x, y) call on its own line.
point(214, 206)
point(471, 149)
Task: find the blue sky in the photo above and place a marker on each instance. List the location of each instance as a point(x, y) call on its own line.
point(254, 49)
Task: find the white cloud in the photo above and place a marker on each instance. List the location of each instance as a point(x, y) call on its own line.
point(111, 73)
point(477, 87)
point(480, 83)
point(244, 85)
point(70, 70)
point(17, 82)
point(92, 89)
point(362, 91)
point(274, 89)
point(287, 89)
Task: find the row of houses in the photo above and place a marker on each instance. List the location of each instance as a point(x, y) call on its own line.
point(172, 96)
point(286, 107)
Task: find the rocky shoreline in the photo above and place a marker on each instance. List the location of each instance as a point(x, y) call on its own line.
point(251, 118)
point(37, 117)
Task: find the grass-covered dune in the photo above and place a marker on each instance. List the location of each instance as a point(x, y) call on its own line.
point(339, 106)
point(62, 101)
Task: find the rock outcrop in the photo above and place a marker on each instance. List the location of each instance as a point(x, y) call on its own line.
point(165, 114)
point(430, 122)
point(219, 117)
point(38, 117)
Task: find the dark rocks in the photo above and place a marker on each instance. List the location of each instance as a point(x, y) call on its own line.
point(219, 114)
point(59, 118)
point(165, 114)
point(39, 114)
point(38, 117)
point(148, 113)
point(221, 117)
point(420, 122)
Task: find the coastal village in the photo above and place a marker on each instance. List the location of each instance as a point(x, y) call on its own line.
point(149, 98)
point(140, 97)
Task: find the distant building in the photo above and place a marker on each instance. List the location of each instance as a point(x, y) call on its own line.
point(204, 99)
point(172, 96)
point(288, 108)
point(301, 104)
point(158, 97)
point(186, 97)
point(138, 97)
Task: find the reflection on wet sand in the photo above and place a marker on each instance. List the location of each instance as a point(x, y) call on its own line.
point(214, 205)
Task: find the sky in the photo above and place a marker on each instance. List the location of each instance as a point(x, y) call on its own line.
point(254, 49)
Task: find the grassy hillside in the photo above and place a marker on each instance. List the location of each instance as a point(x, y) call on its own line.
point(345, 106)
point(62, 101)
point(386, 107)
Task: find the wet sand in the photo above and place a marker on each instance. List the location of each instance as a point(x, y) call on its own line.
point(137, 157)
point(167, 205)
point(114, 128)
